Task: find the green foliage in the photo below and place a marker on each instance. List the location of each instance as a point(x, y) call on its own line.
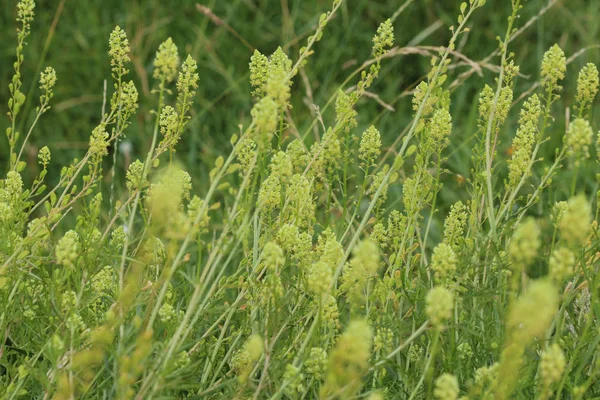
point(335, 262)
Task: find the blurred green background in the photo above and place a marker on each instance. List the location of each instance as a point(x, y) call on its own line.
point(72, 36)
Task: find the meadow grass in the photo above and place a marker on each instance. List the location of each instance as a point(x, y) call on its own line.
point(359, 213)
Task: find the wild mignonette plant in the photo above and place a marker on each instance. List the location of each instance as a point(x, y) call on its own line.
point(294, 270)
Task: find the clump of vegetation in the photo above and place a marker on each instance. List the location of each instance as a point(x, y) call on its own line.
point(294, 270)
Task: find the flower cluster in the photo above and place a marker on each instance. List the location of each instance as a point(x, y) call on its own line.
point(440, 303)
point(561, 264)
point(444, 262)
point(579, 139)
point(446, 387)
point(554, 66)
point(370, 146)
point(552, 365)
point(574, 222)
point(119, 52)
point(166, 62)
point(519, 166)
point(67, 249)
point(525, 243)
point(587, 87)
point(349, 360)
